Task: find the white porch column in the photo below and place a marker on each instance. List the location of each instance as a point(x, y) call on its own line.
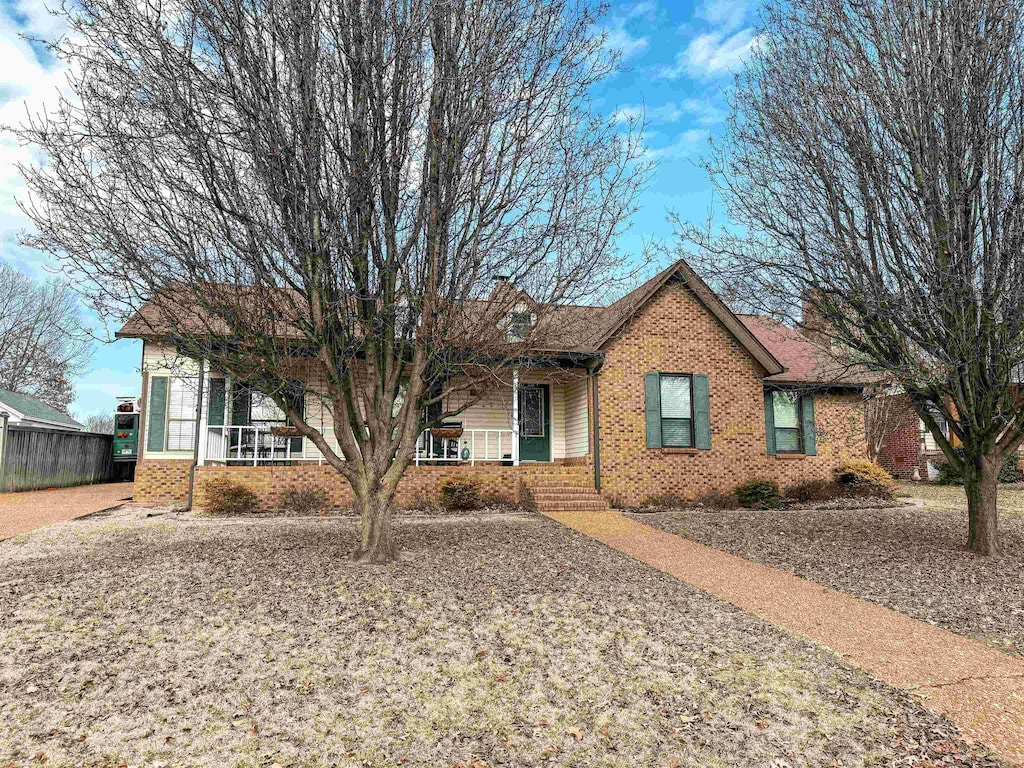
point(204, 414)
point(515, 417)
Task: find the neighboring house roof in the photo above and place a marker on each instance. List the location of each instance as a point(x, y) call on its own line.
point(806, 362)
point(31, 409)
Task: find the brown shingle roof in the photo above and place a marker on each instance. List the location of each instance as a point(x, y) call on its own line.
point(806, 362)
point(561, 328)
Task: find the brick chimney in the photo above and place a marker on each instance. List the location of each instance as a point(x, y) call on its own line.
point(814, 327)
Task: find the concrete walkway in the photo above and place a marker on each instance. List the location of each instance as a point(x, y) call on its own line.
point(978, 688)
point(24, 512)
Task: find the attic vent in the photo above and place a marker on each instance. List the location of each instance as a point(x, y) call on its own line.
point(519, 325)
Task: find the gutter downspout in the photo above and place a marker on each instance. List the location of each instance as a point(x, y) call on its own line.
point(597, 425)
point(195, 448)
point(4, 416)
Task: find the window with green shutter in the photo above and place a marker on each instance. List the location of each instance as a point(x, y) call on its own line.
point(786, 415)
point(156, 426)
point(677, 410)
point(789, 423)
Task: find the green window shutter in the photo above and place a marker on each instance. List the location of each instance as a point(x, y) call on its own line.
point(810, 436)
point(701, 411)
point(769, 423)
point(156, 428)
point(215, 411)
point(652, 408)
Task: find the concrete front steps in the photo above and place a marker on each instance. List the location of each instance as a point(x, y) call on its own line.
point(565, 491)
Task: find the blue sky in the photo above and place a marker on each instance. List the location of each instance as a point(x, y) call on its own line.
point(678, 56)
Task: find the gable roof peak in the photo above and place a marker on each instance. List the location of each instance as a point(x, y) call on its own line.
point(629, 305)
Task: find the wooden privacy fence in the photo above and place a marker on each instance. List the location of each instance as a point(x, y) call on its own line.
point(32, 458)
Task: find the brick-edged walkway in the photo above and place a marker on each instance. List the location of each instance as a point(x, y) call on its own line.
point(24, 512)
point(978, 688)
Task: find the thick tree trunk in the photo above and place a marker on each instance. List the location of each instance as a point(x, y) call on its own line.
point(377, 544)
point(980, 482)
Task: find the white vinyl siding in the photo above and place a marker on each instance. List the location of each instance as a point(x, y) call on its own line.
point(577, 419)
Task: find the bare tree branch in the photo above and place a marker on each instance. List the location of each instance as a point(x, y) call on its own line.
point(328, 188)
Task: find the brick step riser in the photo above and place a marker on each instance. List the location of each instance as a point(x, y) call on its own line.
point(563, 491)
point(570, 500)
point(561, 483)
point(587, 506)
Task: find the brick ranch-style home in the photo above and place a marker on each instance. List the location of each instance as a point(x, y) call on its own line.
point(670, 393)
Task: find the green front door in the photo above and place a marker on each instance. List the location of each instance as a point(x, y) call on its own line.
point(534, 422)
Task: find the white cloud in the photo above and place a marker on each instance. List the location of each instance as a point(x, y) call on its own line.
point(727, 15)
point(705, 111)
point(687, 144)
point(619, 38)
point(665, 113)
point(702, 111)
point(27, 85)
point(712, 54)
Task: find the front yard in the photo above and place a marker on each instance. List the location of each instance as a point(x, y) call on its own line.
point(952, 497)
point(910, 559)
point(505, 641)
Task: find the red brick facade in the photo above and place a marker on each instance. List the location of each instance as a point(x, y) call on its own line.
point(162, 481)
point(901, 452)
point(158, 483)
point(675, 333)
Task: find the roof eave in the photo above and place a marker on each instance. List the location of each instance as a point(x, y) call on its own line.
point(713, 304)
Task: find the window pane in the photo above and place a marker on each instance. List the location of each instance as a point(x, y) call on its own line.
point(675, 433)
point(675, 397)
point(181, 435)
point(784, 405)
point(182, 400)
point(787, 440)
point(264, 409)
point(531, 416)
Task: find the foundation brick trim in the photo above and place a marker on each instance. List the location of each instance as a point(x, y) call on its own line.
point(162, 481)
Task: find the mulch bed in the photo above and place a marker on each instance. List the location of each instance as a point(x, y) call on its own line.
point(910, 559)
point(348, 512)
point(506, 642)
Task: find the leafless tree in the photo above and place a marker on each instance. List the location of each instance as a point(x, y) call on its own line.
point(331, 187)
point(102, 423)
point(886, 413)
point(874, 160)
point(43, 344)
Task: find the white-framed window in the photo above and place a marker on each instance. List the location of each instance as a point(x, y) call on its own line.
point(677, 410)
point(263, 411)
point(786, 411)
point(182, 395)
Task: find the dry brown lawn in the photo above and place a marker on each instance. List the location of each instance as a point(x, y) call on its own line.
point(504, 641)
point(952, 498)
point(910, 559)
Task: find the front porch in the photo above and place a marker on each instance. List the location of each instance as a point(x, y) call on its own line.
point(539, 417)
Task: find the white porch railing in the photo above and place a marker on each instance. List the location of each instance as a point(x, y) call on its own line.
point(257, 445)
point(253, 445)
point(476, 444)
